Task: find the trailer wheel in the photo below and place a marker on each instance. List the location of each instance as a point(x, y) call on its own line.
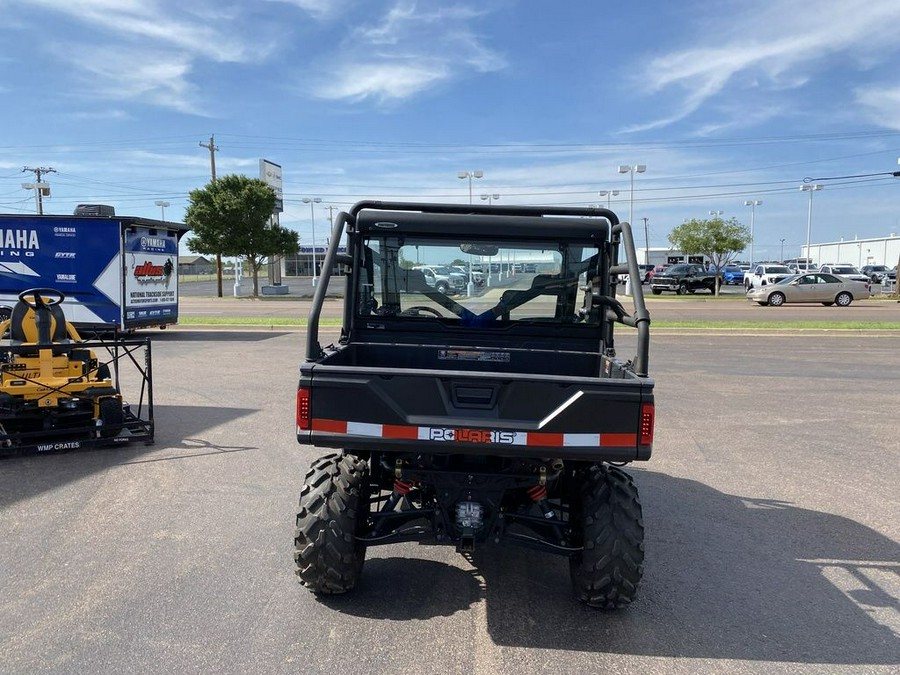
point(607, 572)
point(112, 415)
point(333, 502)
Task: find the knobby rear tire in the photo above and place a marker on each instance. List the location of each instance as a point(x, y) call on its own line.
point(333, 502)
point(608, 571)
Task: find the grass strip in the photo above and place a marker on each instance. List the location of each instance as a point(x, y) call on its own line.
point(188, 320)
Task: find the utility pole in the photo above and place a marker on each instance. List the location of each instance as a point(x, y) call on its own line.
point(37, 186)
point(213, 148)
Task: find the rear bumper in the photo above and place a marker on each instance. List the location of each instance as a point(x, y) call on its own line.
point(444, 440)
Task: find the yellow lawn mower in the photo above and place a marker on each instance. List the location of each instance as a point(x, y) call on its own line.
point(55, 394)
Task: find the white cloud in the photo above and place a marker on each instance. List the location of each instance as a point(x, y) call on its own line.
point(318, 9)
point(146, 50)
point(797, 40)
point(882, 104)
point(149, 76)
point(396, 80)
point(415, 46)
point(196, 32)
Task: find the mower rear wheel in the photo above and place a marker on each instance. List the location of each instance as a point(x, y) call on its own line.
point(112, 415)
point(333, 503)
point(607, 572)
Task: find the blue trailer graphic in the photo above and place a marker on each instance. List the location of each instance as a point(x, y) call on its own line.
point(114, 271)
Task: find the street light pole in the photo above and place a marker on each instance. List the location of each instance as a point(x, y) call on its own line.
point(810, 188)
point(162, 208)
point(753, 203)
point(782, 256)
point(631, 170)
point(462, 175)
point(609, 194)
point(312, 201)
point(646, 241)
point(490, 199)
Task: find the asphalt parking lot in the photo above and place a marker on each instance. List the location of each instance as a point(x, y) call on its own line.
point(771, 508)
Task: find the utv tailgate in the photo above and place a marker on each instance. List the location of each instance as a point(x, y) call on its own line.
point(463, 412)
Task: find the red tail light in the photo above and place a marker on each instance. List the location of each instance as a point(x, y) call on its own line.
point(303, 421)
point(648, 413)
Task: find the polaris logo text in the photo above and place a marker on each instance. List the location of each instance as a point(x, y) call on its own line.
point(49, 447)
point(472, 436)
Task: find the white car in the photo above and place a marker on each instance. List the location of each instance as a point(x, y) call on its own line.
point(845, 270)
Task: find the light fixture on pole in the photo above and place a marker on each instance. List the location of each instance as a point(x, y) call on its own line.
point(609, 194)
point(753, 203)
point(462, 175)
point(490, 198)
point(716, 214)
point(636, 168)
point(810, 188)
point(312, 201)
point(162, 208)
point(41, 190)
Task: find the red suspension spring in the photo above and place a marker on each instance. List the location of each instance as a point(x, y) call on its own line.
point(402, 487)
point(537, 492)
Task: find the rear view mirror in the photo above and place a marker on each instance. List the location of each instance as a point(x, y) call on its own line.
point(488, 250)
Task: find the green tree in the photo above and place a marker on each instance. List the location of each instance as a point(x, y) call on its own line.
point(719, 240)
point(233, 216)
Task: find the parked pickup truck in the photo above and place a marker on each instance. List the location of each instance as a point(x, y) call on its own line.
point(683, 278)
point(497, 418)
point(764, 274)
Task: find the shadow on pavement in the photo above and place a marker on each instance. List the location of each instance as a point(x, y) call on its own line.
point(406, 589)
point(176, 427)
point(726, 578)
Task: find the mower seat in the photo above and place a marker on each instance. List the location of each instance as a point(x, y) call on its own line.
point(23, 327)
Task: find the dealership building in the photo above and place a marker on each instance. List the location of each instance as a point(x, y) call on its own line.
point(859, 252)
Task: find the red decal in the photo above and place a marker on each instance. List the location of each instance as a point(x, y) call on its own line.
point(618, 440)
point(399, 431)
point(535, 438)
point(332, 426)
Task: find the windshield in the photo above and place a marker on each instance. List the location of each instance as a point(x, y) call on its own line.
point(776, 269)
point(409, 278)
point(787, 280)
point(844, 269)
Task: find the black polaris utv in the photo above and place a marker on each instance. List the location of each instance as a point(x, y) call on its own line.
point(500, 415)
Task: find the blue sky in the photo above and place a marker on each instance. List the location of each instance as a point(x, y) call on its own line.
point(723, 101)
